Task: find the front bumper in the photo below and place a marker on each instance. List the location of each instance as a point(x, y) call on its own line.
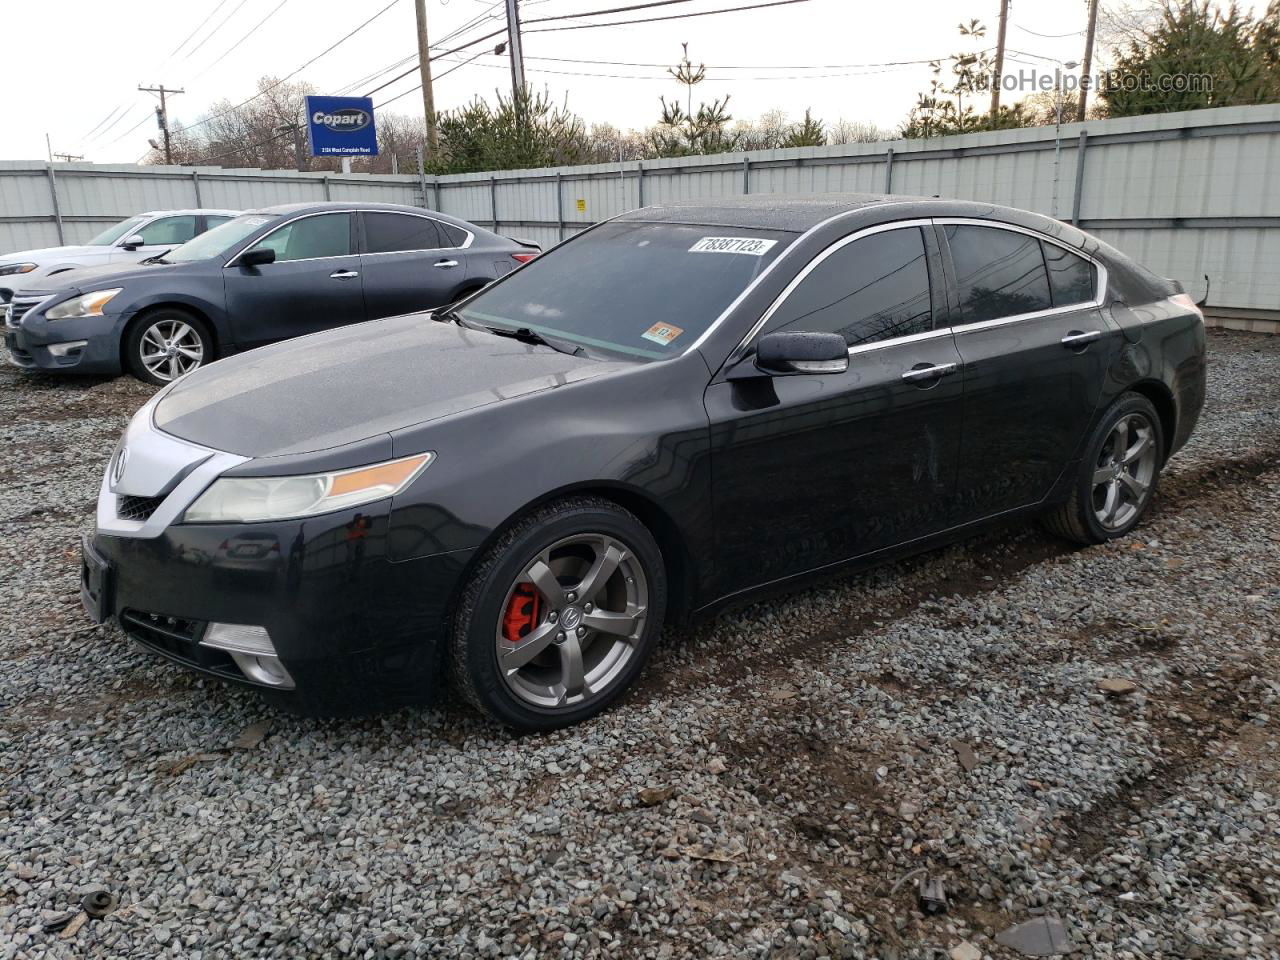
point(355, 630)
point(89, 345)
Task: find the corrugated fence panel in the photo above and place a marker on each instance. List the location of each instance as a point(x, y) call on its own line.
point(1185, 193)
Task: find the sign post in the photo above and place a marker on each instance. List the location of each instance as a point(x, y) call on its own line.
point(341, 127)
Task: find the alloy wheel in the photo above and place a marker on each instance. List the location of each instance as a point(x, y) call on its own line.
point(170, 348)
point(1125, 470)
point(572, 621)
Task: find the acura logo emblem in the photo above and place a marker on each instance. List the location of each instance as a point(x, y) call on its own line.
point(118, 463)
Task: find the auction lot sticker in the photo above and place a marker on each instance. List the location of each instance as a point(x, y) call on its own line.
point(751, 246)
point(662, 333)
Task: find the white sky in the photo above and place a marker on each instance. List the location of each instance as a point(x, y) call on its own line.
point(75, 62)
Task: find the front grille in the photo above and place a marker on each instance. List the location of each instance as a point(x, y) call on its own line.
point(178, 639)
point(137, 508)
point(18, 308)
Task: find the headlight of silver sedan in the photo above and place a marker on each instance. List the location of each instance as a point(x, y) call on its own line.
point(251, 499)
point(9, 269)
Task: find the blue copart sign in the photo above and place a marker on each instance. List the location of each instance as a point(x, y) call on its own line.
point(341, 127)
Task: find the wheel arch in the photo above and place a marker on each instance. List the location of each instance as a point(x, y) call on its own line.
point(153, 308)
point(671, 543)
point(1161, 398)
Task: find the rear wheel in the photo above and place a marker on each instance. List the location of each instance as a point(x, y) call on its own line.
point(166, 344)
point(1117, 477)
point(560, 615)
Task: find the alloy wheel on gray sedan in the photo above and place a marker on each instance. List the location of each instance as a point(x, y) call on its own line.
point(169, 348)
point(572, 621)
point(1125, 470)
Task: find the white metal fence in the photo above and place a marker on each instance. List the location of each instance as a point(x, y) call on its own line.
point(1188, 194)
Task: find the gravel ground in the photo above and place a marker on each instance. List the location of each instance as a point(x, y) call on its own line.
point(762, 793)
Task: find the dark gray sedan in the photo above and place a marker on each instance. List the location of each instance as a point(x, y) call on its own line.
point(264, 276)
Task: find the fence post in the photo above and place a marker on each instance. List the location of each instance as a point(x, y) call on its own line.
point(327, 191)
point(559, 205)
point(640, 183)
point(57, 209)
point(1079, 189)
point(746, 175)
point(195, 183)
point(422, 175)
point(888, 170)
point(493, 202)
point(435, 194)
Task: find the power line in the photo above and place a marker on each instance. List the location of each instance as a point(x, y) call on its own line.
point(210, 35)
point(1050, 36)
point(755, 66)
point(219, 6)
point(585, 26)
point(673, 16)
point(252, 30)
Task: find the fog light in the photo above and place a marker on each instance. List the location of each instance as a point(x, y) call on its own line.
point(252, 650)
point(62, 349)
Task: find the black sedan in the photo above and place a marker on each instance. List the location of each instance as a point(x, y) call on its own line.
point(264, 276)
point(675, 409)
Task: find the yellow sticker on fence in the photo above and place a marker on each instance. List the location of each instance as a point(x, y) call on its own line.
point(582, 205)
point(662, 333)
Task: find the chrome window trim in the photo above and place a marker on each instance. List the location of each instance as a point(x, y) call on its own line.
point(919, 222)
point(727, 311)
point(322, 213)
point(1099, 280)
point(896, 341)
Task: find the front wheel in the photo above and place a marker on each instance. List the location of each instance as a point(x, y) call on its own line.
point(1117, 477)
point(167, 344)
point(560, 615)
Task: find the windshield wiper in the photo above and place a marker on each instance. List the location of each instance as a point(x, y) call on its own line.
point(525, 335)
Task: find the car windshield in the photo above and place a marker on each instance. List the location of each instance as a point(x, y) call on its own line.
point(645, 291)
point(221, 238)
point(122, 229)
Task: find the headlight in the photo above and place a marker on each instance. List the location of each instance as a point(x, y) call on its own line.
point(86, 305)
point(248, 499)
point(8, 269)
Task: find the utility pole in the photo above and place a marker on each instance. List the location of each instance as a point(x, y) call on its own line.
point(424, 67)
point(162, 114)
point(517, 48)
point(67, 157)
point(999, 71)
point(1087, 64)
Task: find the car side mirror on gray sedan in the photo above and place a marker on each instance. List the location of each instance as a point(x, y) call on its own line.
point(793, 353)
point(257, 257)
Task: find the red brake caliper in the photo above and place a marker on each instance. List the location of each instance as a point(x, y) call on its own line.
point(521, 614)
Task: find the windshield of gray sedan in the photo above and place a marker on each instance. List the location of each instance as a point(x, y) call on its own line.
point(643, 290)
point(221, 239)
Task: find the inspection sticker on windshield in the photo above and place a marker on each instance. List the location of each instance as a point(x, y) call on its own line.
point(751, 246)
point(662, 333)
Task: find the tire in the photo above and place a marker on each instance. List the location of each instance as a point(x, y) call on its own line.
point(1130, 475)
point(147, 337)
point(581, 544)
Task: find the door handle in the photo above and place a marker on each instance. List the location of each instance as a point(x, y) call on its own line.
point(1078, 339)
point(344, 275)
point(917, 374)
point(446, 263)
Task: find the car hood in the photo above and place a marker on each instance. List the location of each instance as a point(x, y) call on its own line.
point(88, 279)
point(346, 385)
point(45, 255)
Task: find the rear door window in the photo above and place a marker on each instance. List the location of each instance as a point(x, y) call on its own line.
point(875, 288)
point(999, 273)
point(452, 236)
point(398, 232)
point(1070, 276)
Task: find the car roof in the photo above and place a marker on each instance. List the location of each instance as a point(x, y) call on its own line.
point(766, 211)
point(167, 213)
point(288, 209)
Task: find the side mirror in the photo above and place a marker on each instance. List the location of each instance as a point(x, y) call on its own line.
point(133, 242)
point(795, 353)
point(257, 257)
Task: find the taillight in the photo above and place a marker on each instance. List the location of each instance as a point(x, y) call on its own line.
point(523, 257)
